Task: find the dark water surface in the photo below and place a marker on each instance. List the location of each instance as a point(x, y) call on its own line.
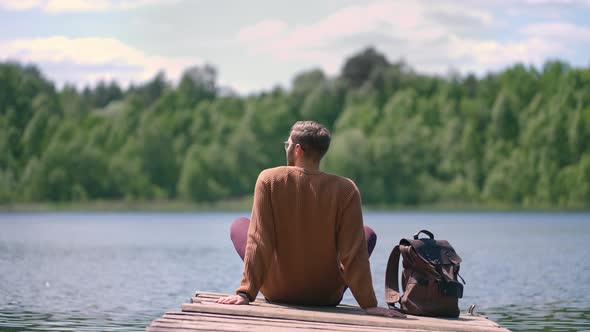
point(119, 271)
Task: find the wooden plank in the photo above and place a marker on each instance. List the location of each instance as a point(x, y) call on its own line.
point(222, 319)
point(241, 325)
point(215, 294)
point(237, 325)
point(475, 321)
point(264, 303)
point(226, 326)
point(207, 297)
point(200, 316)
point(261, 300)
point(468, 319)
point(336, 318)
point(173, 329)
point(260, 315)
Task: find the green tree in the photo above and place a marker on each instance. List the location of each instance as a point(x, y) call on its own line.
point(359, 67)
point(324, 104)
point(517, 137)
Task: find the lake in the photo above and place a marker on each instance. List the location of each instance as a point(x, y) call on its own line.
point(119, 271)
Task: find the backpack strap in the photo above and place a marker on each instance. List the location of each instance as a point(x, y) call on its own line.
point(392, 295)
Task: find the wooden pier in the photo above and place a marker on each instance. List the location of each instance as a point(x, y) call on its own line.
point(203, 314)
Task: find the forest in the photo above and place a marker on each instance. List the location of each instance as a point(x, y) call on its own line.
point(518, 138)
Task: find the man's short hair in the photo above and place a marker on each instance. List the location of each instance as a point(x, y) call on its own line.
point(313, 137)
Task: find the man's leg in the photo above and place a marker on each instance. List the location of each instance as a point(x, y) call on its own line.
point(239, 236)
point(371, 238)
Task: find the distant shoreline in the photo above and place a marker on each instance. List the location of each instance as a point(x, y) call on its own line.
point(245, 204)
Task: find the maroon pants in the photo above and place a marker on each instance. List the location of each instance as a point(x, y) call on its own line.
point(239, 236)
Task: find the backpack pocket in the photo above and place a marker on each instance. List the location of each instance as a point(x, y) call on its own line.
point(415, 295)
point(424, 297)
point(450, 288)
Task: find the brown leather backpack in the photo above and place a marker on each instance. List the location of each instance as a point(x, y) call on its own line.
point(429, 277)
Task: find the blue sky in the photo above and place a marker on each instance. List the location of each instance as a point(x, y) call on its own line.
point(256, 45)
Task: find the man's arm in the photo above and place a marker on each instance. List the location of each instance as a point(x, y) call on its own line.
point(354, 256)
point(260, 245)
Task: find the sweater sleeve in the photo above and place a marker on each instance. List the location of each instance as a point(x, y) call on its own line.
point(352, 248)
point(260, 243)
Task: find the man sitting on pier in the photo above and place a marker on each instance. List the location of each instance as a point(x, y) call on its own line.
point(305, 242)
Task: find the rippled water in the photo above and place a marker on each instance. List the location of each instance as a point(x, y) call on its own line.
point(119, 271)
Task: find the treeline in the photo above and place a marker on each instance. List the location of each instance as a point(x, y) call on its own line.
point(520, 137)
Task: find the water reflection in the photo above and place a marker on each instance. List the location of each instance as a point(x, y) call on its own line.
point(549, 317)
point(34, 321)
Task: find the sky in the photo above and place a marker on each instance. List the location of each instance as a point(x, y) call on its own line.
point(259, 44)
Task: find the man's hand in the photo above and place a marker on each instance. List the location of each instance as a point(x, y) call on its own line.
point(377, 311)
point(234, 299)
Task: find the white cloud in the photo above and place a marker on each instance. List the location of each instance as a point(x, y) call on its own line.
point(58, 6)
point(87, 60)
point(561, 31)
point(20, 4)
point(267, 29)
point(495, 55)
point(308, 42)
point(451, 16)
point(323, 42)
point(432, 37)
point(386, 15)
point(558, 2)
point(64, 6)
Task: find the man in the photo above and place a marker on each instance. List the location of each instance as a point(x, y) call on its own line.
point(305, 243)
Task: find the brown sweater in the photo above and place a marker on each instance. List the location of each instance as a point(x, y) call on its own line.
point(306, 239)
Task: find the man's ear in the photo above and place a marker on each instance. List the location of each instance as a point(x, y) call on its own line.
point(298, 149)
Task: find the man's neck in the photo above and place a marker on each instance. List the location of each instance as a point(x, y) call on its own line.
point(308, 165)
